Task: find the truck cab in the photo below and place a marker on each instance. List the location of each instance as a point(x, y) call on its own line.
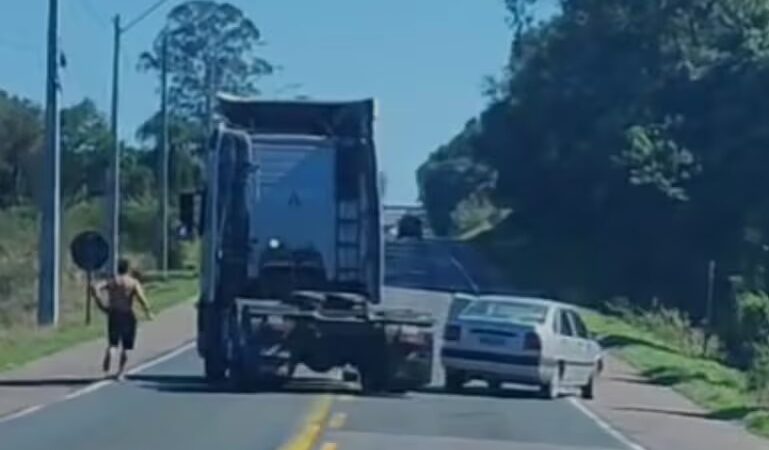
point(292, 234)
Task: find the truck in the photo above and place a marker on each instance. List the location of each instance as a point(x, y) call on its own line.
point(410, 226)
point(293, 253)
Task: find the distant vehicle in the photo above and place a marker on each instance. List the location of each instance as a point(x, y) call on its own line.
point(410, 226)
point(521, 340)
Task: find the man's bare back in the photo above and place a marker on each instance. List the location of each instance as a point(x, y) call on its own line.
point(122, 290)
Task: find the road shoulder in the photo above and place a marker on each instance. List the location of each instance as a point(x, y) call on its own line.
point(57, 376)
point(659, 418)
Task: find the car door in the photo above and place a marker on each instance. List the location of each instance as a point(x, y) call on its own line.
point(566, 346)
point(583, 367)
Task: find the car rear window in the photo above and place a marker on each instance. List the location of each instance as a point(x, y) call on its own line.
point(517, 311)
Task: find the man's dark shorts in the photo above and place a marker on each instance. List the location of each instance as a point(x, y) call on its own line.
point(121, 329)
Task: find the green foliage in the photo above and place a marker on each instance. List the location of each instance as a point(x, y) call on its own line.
point(212, 47)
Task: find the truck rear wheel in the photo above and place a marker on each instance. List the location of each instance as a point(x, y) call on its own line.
point(215, 369)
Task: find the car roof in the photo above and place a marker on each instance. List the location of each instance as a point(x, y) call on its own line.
point(521, 299)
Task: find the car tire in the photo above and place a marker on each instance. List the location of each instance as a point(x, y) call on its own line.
point(455, 381)
point(552, 389)
point(588, 390)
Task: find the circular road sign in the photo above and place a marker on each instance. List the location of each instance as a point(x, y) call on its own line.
point(90, 251)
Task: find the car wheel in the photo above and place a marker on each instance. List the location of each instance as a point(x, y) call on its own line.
point(552, 388)
point(455, 381)
point(587, 391)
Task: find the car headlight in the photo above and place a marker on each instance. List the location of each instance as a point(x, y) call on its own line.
point(274, 243)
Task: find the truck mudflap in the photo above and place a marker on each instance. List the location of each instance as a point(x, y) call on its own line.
point(411, 356)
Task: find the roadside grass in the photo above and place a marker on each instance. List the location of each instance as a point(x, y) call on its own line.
point(721, 390)
point(22, 343)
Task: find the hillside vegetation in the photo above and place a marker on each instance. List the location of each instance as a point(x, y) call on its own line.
point(629, 142)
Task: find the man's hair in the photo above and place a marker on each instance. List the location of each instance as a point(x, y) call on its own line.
point(123, 266)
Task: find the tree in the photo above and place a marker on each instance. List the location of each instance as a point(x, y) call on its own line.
point(212, 47)
point(21, 133)
point(628, 139)
point(85, 143)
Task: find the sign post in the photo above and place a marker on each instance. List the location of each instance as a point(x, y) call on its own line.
point(90, 252)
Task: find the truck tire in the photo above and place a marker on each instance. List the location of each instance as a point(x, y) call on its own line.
point(215, 369)
point(455, 381)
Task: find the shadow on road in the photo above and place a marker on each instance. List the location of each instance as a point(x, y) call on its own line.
point(478, 391)
point(197, 384)
point(54, 381)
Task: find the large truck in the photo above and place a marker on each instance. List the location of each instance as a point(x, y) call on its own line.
point(292, 268)
point(410, 226)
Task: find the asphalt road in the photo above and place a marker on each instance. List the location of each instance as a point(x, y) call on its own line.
point(168, 407)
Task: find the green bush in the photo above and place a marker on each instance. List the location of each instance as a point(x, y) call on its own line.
point(758, 375)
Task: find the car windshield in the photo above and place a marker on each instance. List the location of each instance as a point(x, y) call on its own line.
point(515, 311)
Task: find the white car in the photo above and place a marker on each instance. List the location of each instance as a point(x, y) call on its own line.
point(518, 340)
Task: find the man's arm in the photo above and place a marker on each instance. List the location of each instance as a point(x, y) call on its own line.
point(139, 291)
point(96, 290)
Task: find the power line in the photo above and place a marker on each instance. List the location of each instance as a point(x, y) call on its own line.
point(144, 15)
point(90, 9)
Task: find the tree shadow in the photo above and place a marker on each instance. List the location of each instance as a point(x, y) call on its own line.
point(53, 381)
point(725, 414)
point(619, 341)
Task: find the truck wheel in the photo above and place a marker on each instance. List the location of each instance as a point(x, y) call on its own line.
point(215, 369)
point(371, 381)
point(455, 381)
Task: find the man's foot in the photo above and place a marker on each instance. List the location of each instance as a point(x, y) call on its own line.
point(105, 365)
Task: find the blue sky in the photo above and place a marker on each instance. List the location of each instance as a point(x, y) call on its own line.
point(423, 60)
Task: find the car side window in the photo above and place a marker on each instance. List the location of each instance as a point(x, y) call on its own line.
point(566, 328)
point(579, 325)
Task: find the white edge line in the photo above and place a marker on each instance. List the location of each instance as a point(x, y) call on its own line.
point(100, 384)
point(604, 425)
point(466, 275)
point(21, 413)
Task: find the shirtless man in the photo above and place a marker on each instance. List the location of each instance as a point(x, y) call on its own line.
point(121, 291)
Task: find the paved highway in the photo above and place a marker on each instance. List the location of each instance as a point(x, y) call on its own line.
point(168, 407)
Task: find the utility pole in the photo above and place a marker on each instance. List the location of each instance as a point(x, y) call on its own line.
point(48, 284)
point(164, 149)
point(113, 189)
point(709, 306)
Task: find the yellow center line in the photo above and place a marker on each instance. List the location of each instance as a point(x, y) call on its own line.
point(311, 431)
point(337, 421)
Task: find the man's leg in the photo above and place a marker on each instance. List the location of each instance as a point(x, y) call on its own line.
point(107, 361)
point(113, 340)
point(128, 338)
point(123, 361)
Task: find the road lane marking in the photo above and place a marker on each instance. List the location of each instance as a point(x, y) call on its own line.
point(605, 426)
point(329, 446)
point(337, 421)
point(100, 384)
point(20, 413)
point(311, 430)
point(465, 274)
